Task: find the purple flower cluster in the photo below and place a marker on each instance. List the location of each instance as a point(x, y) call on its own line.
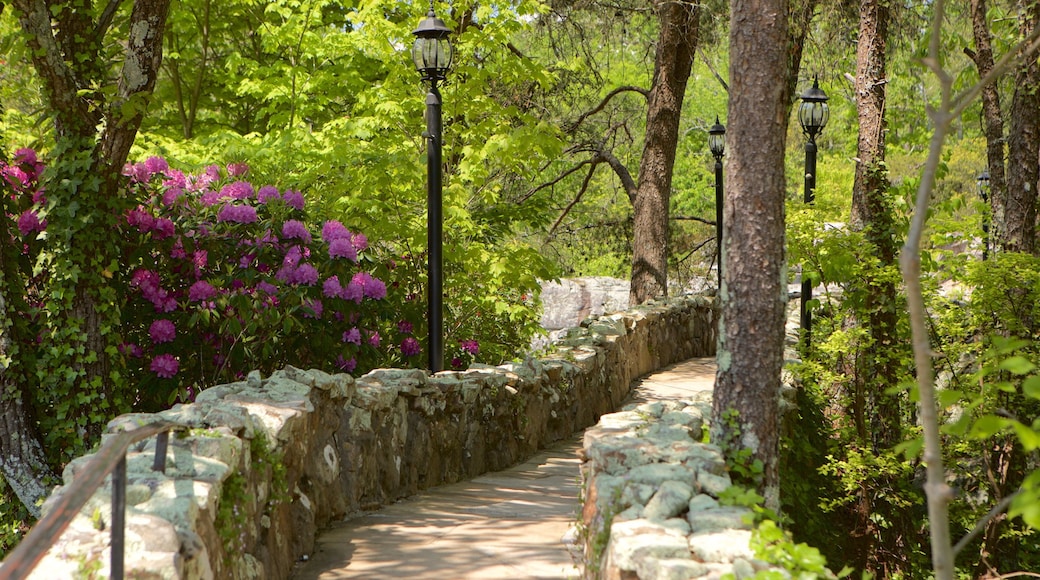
point(239, 214)
point(165, 366)
point(280, 285)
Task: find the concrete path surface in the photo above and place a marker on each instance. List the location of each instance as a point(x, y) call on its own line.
point(508, 524)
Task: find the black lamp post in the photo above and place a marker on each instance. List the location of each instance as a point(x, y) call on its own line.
point(812, 114)
point(983, 183)
point(717, 144)
point(432, 55)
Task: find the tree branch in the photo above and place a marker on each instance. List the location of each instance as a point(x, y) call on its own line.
point(627, 181)
point(558, 179)
point(594, 162)
point(714, 72)
point(606, 100)
point(105, 20)
point(693, 218)
point(981, 525)
point(71, 110)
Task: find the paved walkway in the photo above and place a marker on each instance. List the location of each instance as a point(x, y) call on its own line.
point(505, 525)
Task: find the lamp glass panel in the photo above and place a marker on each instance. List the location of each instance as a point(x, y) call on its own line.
point(717, 143)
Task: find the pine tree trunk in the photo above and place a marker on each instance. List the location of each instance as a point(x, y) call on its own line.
point(676, 44)
point(754, 293)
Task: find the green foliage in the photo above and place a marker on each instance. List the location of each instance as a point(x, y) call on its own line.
point(800, 561)
point(745, 469)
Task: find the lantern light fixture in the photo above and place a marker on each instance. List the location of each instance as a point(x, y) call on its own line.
point(432, 52)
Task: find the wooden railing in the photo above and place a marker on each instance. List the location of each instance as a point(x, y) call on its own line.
point(109, 458)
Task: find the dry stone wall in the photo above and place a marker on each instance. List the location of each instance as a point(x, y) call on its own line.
point(259, 466)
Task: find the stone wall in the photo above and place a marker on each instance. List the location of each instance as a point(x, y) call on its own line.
point(651, 490)
point(259, 466)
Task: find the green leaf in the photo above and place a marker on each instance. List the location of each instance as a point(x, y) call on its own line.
point(1029, 438)
point(987, 426)
point(1031, 387)
point(1018, 365)
point(911, 448)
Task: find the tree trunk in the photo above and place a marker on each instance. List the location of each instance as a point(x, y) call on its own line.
point(95, 126)
point(1018, 230)
point(676, 44)
point(882, 550)
point(754, 294)
point(22, 461)
point(872, 215)
point(993, 122)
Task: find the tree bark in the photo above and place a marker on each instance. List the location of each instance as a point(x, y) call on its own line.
point(1018, 230)
point(993, 122)
point(754, 294)
point(676, 45)
point(882, 550)
point(96, 121)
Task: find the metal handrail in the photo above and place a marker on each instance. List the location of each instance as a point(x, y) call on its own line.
point(109, 458)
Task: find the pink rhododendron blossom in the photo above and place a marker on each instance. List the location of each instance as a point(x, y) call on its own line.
point(404, 327)
point(334, 230)
point(353, 336)
point(456, 363)
point(373, 338)
point(359, 241)
point(211, 198)
point(163, 228)
point(267, 193)
point(29, 222)
point(293, 199)
point(201, 290)
point(162, 331)
point(26, 156)
point(140, 219)
point(410, 347)
point(267, 288)
point(331, 288)
point(313, 308)
point(347, 365)
point(293, 256)
point(353, 291)
point(237, 169)
point(237, 190)
point(342, 248)
point(294, 229)
point(165, 366)
point(375, 289)
point(175, 179)
point(239, 214)
point(470, 346)
point(306, 275)
point(170, 196)
point(15, 176)
point(156, 165)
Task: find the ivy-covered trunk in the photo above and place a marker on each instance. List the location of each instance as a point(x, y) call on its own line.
point(97, 104)
point(883, 549)
point(676, 44)
point(754, 292)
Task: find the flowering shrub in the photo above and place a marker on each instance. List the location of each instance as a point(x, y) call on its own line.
point(224, 278)
point(218, 277)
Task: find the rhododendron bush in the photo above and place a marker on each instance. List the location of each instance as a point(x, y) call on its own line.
point(220, 277)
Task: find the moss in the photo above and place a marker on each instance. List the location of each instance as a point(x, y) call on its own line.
point(232, 524)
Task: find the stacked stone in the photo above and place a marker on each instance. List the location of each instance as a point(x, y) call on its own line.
point(334, 445)
point(652, 491)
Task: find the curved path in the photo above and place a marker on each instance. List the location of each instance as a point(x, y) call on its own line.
point(512, 524)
